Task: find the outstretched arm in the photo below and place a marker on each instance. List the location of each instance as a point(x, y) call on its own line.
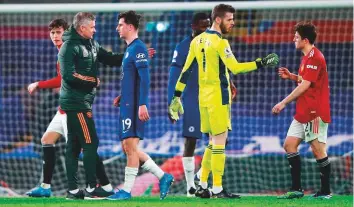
point(109, 58)
point(284, 73)
point(235, 67)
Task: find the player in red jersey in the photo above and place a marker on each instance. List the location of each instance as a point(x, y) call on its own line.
point(58, 125)
point(312, 111)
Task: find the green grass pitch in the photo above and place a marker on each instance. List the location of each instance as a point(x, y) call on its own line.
point(179, 201)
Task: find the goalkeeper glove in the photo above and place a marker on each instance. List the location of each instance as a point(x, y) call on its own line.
point(270, 60)
point(175, 108)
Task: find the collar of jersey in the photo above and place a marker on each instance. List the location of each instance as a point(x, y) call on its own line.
point(133, 41)
point(213, 32)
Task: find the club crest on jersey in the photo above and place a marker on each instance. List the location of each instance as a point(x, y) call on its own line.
point(89, 114)
point(84, 51)
point(140, 55)
point(228, 52)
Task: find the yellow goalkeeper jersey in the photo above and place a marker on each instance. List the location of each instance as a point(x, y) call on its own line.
point(215, 58)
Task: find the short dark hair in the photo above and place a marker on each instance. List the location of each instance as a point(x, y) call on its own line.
point(306, 30)
point(130, 17)
point(56, 23)
point(220, 10)
point(82, 18)
point(199, 16)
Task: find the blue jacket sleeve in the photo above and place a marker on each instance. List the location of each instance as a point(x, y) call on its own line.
point(142, 65)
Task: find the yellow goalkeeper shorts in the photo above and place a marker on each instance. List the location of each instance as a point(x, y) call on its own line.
point(215, 119)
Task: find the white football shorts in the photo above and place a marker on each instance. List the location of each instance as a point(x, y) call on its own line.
point(315, 129)
point(58, 124)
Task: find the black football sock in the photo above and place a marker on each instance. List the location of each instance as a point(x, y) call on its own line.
point(295, 169)
point(48, 162)
point(325, 170)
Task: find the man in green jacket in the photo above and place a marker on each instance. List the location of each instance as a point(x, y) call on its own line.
point(78, 59)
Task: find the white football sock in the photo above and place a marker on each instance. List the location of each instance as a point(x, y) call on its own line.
point(203, 184)
point(189, 167)
point(129, 179)
point(151, 166)
point(217, 189)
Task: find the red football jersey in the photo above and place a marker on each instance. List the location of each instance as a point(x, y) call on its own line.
point(314, 102)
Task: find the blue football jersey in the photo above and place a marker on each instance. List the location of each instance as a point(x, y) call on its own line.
point(191, 116)
point(135, 75)
point(134, 90)
point(190, 93)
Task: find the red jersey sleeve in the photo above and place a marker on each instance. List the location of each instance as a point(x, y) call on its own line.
point(51, 83)
point(312, 68)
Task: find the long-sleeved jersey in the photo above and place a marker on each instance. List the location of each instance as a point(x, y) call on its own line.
point(214, 57)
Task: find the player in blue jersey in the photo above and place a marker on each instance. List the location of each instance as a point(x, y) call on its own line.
point(191, 121)
point(133, 107)
point(191, 118)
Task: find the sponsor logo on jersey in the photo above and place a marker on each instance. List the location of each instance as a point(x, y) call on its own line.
point(141, 60)
point(140, 55)
point(312, 67)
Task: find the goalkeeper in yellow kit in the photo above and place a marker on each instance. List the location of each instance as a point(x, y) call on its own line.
point(214, 57)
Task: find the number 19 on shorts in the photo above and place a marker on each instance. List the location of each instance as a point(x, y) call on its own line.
point(126, 124)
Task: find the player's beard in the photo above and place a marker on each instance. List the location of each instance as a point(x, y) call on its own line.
point(223, 28)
